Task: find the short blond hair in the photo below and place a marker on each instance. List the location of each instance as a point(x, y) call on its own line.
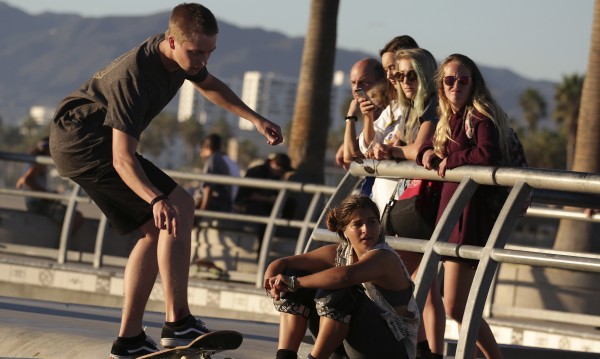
point(189, 20)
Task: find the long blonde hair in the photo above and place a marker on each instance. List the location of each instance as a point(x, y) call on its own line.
point(424, 65)
point(480, 99)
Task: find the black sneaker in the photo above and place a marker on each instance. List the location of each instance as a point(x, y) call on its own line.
point(127, 348)
point(175, 334)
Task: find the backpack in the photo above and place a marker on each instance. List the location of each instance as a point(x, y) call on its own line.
point(516, 153)
point(516, 158)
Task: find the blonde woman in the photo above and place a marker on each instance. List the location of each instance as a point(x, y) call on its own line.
point(464, 98)
point(415, 71)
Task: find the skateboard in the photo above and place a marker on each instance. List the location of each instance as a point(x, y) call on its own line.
point(202, 347)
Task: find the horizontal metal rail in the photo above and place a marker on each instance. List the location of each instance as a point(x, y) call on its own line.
point(564, 187)
point(523, 181)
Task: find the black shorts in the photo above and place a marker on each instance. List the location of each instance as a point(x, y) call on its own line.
point(124, 209)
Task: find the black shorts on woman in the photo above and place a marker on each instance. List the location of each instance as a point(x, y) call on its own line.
point(369, 335)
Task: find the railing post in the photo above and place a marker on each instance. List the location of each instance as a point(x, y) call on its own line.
point(67, 224)
point(487, 268)
point(346, 186)
point(100, 241)
point(429, 263)
point(268, 236)
point(314, 202)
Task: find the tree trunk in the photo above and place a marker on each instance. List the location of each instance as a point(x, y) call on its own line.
point(308, 137)
point(578, 235)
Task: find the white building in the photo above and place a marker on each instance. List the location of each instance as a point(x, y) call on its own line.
point(193, 105)
point(269, 94)
point(41, 114)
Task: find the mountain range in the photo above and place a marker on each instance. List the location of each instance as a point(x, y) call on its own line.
point(44, 57)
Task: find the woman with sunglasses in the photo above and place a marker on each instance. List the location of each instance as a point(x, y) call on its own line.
point(463, 100)
point(414, 80)
point(356, 293)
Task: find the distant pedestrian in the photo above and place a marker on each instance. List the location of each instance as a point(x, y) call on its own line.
point(215, 196)
point(35, 178)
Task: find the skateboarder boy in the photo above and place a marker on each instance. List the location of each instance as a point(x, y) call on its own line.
point(93, 140)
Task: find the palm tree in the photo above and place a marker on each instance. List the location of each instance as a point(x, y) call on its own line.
point(577, 235)
point(310, 123)
point(568, 98)
point(534, 107)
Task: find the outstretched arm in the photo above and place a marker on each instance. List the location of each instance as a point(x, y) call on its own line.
point(221, 95)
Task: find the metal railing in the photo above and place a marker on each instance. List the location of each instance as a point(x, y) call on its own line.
point(319, 194)
point(548, 186)
point(522, 181)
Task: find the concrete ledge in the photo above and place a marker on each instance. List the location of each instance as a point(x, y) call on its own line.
point(78, 283)
point(39, 279)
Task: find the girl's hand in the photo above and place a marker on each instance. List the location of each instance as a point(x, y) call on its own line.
point(442, 167)
point(427, 157)
point(381, 152)
point(276, 285)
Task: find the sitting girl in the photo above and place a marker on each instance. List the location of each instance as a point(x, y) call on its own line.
point(357, 293)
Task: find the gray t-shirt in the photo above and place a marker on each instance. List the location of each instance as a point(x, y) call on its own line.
point(125, 95)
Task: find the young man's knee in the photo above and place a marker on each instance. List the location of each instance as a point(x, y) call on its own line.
point(183, 200)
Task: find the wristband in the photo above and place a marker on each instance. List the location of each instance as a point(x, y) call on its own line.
point(291, 282)
point(351, 118)
point(158, 199)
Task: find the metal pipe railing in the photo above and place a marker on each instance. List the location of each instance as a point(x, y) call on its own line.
point(563, 186)
point(523, 181)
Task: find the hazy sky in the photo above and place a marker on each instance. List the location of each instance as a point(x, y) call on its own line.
point(538, 39)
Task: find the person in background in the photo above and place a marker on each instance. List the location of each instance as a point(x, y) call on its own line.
point(364, 74)
point(94, 137)
point(260, 201)
point(378, 95)
point(356, 293)
point(35, 178)
point(463, 94)
point(378, 129)
point(214, 196)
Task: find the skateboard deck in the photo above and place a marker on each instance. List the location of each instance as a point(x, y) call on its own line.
point(202, 347)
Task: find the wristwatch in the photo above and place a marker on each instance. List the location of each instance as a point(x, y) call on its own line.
point(351, 118)
point(291, 282)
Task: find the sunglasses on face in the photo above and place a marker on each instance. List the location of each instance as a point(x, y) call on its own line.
point(409, 76)
point(451, 80)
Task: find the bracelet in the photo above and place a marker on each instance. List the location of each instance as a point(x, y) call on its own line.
point(291, 282)
point(353, 118)
point(158, 199)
